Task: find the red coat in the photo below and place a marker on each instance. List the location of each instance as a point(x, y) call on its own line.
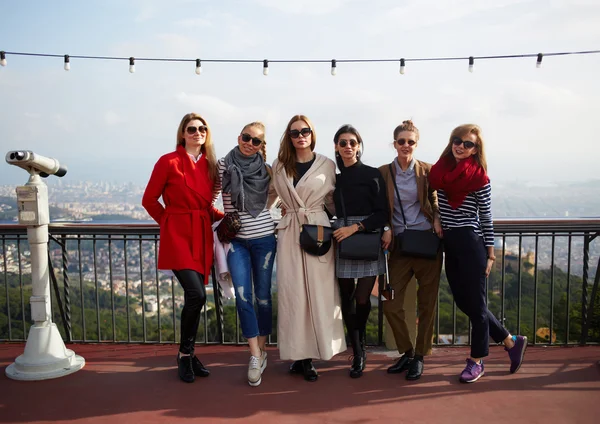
point(186, 237)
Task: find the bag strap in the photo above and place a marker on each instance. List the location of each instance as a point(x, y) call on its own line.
point(398, 194)
point(343, 206)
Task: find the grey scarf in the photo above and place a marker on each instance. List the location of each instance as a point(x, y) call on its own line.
point(247, 179)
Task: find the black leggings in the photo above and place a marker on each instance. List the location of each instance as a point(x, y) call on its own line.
point(195, 298)
point(356, 315)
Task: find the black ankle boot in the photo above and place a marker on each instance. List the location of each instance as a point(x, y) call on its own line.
point(309, 371)
point(358, 365)
point(185, 368)
point(199, 369)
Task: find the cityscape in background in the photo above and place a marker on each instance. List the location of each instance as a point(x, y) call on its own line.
point(131, 272)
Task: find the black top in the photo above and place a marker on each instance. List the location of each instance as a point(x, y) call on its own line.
point(364, 195)
point(302, 168)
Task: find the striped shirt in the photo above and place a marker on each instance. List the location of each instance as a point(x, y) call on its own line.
point(475, 211)
point(252, 228)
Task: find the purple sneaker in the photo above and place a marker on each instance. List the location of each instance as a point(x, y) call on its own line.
point(472, 372)
point(516, 353)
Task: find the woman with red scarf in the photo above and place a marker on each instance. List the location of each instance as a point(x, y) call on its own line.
point(185, 180)
point(464, 196)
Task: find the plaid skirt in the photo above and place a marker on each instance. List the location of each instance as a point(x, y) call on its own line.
point(356, 268)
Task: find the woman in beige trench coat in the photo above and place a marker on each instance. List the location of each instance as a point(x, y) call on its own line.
point(308, 304)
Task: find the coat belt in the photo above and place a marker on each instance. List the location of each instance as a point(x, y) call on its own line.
point(303, 212)
point(200, 222)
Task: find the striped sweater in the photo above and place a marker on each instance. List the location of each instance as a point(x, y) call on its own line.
point(475, 211)
point(252, 228)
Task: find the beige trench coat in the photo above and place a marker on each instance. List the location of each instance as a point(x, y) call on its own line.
point(309, 315)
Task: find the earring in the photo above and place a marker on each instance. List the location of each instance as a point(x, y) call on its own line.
point(337, 154)
point(358, 155)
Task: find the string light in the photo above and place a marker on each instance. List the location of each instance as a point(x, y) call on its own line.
point(265, 67)
point(334, 62)
point(67, 63)
point(471, 63)
point(198, 67)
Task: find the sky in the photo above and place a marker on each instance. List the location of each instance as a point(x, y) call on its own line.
point(104, 123)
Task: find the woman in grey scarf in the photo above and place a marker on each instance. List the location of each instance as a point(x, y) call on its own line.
point(245, 181)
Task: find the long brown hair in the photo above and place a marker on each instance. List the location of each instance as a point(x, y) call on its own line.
point(287, 151)
point(263, 147)
point(463, 130)
point(208, 149)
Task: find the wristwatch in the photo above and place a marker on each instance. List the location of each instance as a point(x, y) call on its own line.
point(386, 228)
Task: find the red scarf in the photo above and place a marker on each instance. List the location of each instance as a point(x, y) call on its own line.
point(457, 179)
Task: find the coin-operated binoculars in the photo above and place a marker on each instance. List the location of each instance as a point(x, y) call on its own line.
point(45, 354)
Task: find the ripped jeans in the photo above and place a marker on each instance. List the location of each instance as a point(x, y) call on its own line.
point(252, 260)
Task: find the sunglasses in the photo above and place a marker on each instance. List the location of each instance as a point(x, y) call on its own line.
point(344, 143)
point(255, 140)
point(304, 132)
point(192, 130)
point(402, 142)
point(457, 141)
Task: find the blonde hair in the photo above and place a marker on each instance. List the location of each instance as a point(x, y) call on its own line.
point(407, 125)
point(460, 132)
point(208, 149)
point(287, 151)
point(263, 147)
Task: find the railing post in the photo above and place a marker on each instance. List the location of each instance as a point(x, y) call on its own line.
point(584, 324)
point(217, 291)
point(66, 288)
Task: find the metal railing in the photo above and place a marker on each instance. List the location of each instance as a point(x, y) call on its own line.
point(108, 288)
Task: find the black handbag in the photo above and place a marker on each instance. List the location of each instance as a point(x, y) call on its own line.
point(415, 243)
point(364, 245)
point(315, 239)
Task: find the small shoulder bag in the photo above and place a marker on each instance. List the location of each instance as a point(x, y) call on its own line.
point(415, 243)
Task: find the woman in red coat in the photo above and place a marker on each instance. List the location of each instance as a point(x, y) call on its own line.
point(185, 180)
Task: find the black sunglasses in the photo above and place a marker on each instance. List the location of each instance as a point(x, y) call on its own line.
point(344, 143)
point(304, 132)
point(402, 142)
point(457, 141)
point(255, 140)
point(192, 130)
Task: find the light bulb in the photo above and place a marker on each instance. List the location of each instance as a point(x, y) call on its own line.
point(198, 67)
point(471, 63)
point(538, 63)
point(402, 66)
point(265, 67)
point(132, 65)
point(67, 63)
point(333, 67)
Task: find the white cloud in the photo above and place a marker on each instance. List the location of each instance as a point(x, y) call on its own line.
point(413, 14)
point(111, 118)
point(194, 23)
point(307, 7)
point(63, 122)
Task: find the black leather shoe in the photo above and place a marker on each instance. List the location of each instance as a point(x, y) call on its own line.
point(309, 371)
point(416, 369)
point(296, 367)
point(186, 369)
point(401, 365)
point(199, 369)
point(358, 365)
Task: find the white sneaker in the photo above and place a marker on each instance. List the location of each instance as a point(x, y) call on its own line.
point(256, 368)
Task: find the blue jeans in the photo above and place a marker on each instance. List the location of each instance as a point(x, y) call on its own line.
point(252, 260)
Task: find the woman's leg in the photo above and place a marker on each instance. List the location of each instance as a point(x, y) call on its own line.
point(194, 299)
point(263, 258)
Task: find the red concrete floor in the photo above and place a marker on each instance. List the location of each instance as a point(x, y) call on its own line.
point(139, 384)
